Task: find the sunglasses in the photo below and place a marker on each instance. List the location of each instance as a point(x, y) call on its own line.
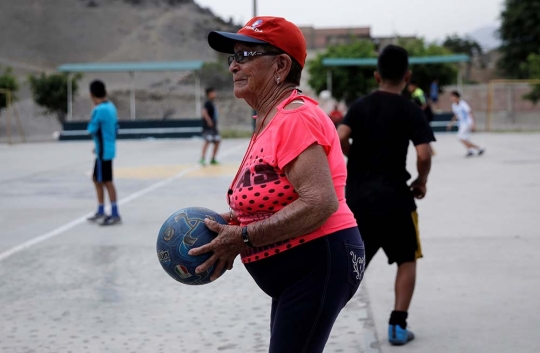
point(240, 56)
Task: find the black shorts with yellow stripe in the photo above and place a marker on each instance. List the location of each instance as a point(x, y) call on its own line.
point(397, 234)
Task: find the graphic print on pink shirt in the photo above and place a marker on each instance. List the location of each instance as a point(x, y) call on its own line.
point(261, 188)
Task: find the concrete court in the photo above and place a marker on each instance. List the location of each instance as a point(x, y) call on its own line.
point(70, 286)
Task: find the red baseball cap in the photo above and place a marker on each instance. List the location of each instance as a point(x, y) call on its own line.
point(276, 31)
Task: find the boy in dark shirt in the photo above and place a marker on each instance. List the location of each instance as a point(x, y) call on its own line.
point(209, 121)
point(381, 125)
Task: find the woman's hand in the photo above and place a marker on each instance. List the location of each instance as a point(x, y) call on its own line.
point(225, 247)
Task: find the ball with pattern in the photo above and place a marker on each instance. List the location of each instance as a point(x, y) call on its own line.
point(182, 231)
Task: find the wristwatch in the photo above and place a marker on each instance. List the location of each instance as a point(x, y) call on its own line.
point(245, 237)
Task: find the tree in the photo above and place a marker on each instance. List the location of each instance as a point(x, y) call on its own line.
point(8, 81)
point(51, 92)
point(426, 73)
point(348, 82)
point(533, 69)
point(467, 46)
point(214, 74)
point(464, 45)
point(520, 35)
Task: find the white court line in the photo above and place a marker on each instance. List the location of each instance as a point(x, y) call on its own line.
point(82, 219)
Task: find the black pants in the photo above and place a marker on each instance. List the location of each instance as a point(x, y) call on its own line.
point(309, 286)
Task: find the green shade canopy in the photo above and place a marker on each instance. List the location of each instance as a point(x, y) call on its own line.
point(412, 60)
point(132, 66)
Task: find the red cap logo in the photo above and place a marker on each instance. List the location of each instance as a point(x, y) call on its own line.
point(257, 23)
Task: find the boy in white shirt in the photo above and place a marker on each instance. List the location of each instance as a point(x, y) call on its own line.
point(463, 114)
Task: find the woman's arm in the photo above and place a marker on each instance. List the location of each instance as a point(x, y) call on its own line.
point(310, 176)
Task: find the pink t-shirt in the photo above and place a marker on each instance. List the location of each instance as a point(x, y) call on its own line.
point(261, 187)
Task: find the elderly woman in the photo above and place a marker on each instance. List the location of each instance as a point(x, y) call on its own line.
point(288, 217)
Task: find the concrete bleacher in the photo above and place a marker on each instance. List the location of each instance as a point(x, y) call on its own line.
point(440, 121)
point(182, 128)
point(138, 129)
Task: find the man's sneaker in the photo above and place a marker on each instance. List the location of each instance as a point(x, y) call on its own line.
point(469, 154)
point(111, 220)
point(481, 151)
point(214, 162)
point(398, 336)
point(97, 217)
point(202, 162)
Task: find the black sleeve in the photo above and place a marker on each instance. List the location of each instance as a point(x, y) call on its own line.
point(354, 116)
point(421, 132)
point(428, 113)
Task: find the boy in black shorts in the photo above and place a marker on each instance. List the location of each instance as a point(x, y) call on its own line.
point(381, 125)
point(103, 127)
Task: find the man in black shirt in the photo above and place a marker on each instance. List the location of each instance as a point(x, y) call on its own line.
point(209, 120)
point(381, 126)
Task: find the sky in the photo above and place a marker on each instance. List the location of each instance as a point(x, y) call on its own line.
point(430, 19)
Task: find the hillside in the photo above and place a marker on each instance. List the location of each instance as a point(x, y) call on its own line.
point(487, 37)
point(48, 33)
point(39, 35)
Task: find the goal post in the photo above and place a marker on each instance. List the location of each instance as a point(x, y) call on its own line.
point(508, 109)
point(11, 113)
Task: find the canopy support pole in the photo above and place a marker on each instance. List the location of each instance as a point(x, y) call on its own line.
point(329, 80)
point(132, 96)
point(198, 110)
point(70, 97)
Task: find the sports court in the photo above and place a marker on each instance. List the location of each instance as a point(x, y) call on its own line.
point(70, 286)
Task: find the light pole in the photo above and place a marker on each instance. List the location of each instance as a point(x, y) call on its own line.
point(254, 15)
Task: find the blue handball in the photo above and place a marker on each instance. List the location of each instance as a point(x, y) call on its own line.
point(182, 231)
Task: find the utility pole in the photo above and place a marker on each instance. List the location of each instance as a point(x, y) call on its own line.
point(254, 8)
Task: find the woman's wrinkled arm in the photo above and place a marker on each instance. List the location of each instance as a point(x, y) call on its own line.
point(310, 176)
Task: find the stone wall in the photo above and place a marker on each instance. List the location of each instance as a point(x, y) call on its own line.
point(509, 110)
point(234, 114)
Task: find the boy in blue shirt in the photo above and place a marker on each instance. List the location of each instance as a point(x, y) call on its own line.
point(103, 127)
point(434, 94)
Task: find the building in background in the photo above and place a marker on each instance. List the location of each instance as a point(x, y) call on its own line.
point(321, 38)
point(318, 39)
